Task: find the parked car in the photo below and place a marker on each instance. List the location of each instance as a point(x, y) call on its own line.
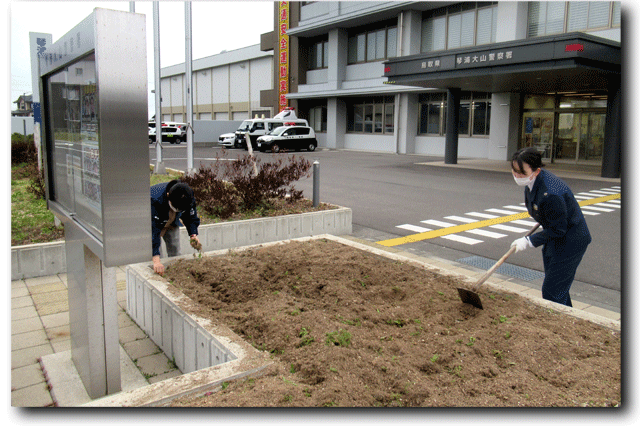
point(228, 140)
point(261, 126)
point(290, 138)
point(172, 132)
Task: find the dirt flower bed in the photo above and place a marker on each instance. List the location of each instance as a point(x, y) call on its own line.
point(349, 328)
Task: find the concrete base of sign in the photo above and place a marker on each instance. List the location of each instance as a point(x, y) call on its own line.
point(65, 384)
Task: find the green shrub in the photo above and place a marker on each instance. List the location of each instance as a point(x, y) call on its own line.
point(225, 189)
point(23, 150)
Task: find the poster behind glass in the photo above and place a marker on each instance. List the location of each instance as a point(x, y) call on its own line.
point(73, 104)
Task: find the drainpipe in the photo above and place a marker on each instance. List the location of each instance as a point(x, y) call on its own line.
point(396, 118)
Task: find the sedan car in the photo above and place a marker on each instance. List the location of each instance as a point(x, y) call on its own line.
point(289, 138)
point(227, 140)
point(172, 132)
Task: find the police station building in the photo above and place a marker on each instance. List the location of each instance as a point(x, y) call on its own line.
point(459, 80)
point(468, 80)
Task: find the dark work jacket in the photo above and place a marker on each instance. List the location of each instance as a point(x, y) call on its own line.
point(552, 204)
point(160, 215)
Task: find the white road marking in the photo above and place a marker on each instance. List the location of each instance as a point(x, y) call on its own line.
point(509, 228)
point(413, 228)
point(486, 233)
point(461, 239)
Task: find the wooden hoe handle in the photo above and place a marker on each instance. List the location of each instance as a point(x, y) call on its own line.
point(501, 261)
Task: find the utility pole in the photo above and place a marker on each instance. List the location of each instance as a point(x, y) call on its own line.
point(188, 83)
point(159, 168)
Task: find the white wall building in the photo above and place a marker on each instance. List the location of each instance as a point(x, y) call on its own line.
point(379, 76)
point(226, 87)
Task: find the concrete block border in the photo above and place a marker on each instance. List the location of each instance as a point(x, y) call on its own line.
point(37, 260)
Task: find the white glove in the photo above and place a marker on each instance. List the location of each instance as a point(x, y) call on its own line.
point(521, 244)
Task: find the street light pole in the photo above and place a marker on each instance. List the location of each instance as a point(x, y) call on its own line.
point(188, 84)
point(159, 168)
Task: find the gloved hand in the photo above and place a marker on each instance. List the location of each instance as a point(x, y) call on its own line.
point(521, 244)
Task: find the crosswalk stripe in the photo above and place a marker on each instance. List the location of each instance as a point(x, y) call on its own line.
point(489, 220)
point(598, 209)
point(581, 197)
point(437, 223)
point(461, 239)
point(600, 192)
point(610, 190)
point(523, 222)
point(615, 206)
point(516, 208)
point(589, 213)
point(500, 211)
point(614, 201)
point(413, 228)
point(482, 215)
point(486, 233)
point(461, 219)
point(509, 228)
point(585, 194)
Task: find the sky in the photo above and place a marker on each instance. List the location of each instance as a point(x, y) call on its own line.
point(216, 26)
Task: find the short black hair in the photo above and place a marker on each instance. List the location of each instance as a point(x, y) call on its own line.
point(529, 155)
point(180, 195)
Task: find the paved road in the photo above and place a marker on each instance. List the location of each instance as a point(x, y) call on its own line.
point(395, 196)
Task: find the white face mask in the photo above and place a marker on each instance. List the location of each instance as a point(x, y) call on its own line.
point(523, 181)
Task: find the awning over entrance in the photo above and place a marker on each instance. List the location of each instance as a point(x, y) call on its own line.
point(567, 62)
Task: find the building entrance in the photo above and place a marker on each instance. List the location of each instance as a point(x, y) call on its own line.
point(562, 131)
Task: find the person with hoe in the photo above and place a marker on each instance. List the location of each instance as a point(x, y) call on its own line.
point(171, 201)
point(565, 235)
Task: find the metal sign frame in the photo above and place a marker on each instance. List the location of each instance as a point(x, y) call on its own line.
point(120, 232)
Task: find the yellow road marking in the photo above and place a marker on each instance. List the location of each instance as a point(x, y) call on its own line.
point(474, 225)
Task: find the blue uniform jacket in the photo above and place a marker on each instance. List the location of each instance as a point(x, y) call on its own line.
point(552, 204)
point(160, 215)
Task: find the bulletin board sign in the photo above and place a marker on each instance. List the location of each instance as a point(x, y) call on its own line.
point(93, 84)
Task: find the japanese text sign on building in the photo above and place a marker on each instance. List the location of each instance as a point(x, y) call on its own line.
point(283, 54)
point(483, 58)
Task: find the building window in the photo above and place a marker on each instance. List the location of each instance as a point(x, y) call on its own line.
point(555, 17)
point(371, 115)
point(318, 118)
point(432, 114)
point(459, 25)
point(474, 115)
point(319, 57)
point(373, 45)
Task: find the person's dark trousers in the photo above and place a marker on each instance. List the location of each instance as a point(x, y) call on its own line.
point(559, 275)
point(172, 242)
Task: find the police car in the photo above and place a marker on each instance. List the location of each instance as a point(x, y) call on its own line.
point(172, 132)
point(289, 138)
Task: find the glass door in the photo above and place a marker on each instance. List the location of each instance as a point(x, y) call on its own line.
point(592, 137)
point(568, 139)
point(538, 132)
point(580, 137)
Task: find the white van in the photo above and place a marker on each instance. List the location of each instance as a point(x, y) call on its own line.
point(261, 126)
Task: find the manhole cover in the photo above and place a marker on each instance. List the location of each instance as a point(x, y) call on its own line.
point(504, 269)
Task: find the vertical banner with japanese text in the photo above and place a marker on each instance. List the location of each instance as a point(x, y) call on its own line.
point(283, 54)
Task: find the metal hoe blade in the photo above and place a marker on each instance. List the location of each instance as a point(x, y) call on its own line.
point(468, 296)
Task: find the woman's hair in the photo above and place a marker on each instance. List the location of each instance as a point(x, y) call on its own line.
point(530, 155)
point(180, 195)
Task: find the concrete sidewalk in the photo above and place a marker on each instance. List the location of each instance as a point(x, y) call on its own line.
point(40, 328)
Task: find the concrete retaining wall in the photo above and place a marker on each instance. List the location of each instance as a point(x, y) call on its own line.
point(44, 259)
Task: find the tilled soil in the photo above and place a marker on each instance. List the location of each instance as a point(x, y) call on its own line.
point(349, 328)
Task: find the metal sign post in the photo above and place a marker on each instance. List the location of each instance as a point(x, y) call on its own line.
point(93, 84)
